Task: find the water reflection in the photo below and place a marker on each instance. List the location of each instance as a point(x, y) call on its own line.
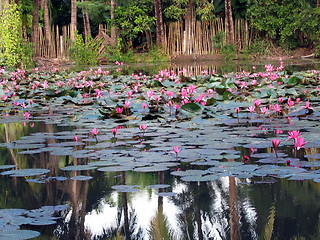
point(220, 67)
point(228, 208)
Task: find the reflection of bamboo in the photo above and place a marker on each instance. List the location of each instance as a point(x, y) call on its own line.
point(234, 210)
point(13, 157)
point(159, 228)
point(268, 229)
point(78, 191)
point(160, 181)
point(197, 213)
point(125, 208)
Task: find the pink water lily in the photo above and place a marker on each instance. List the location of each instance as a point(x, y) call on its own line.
point(251, 109)
point(294, 134)
point(143, 127)
point(275, 144)
point(176, 150)
point(26, 115)
point(257, 102)
point(144, 105)
point(114, 131)
point(94, 131)
point(277, 108)
point(290, 102)
point(119, 110)
point(307, 106)
point(299, 143)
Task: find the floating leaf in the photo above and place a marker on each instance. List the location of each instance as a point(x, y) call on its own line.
point(156, 186)
point(18, 234)
point(155, 168)
point(26, 172)
point(166, 194)
point(126, 188)
point(6, 166)
point(191, 107)
point(81, 178)
point(115, 169)
point(78, 168)
point(197, 178)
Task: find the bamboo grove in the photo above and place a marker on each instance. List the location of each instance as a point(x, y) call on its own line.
point(49, 28)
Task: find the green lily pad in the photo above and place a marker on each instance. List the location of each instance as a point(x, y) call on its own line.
point(78, 168)
point(157, 186)
point(26, 172)
point(126, 188)
point(166, 194)
point(19, 234)
point(6, 166)
point(191, 107)
point(81, 178)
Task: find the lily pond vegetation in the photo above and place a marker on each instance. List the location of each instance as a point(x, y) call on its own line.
point(99, 155)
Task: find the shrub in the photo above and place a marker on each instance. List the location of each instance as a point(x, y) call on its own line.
point(85, 53)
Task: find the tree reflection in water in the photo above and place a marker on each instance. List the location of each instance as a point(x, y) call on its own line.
point(221, 209)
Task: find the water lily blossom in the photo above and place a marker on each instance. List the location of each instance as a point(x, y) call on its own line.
point(119, 110)
point(307, 106)
point(26, 115)
point(94, 131)
point(144, 105)
point(251, 109)
point(294, 134)
point(176, 150)
point(257, 103)
point(299, 143)
point(143, 127)
point(275, 144)
point(114, 131)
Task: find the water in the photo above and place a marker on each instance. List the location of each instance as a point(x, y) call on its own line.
point(156, 202)
point(221, 67)
point(227, 208)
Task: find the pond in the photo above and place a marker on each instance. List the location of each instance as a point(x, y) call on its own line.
point(101, 155)
point(217, 66)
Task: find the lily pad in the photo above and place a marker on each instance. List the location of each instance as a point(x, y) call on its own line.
point(157, 186)
point(126, 188)
point(19, 234)
point(26, 172)
point(78, 168)
point(191, 107)
point(81, 178)
point(115, 169)
point(6, 166)
point(155, 168)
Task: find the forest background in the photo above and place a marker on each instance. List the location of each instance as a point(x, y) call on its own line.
point(90, 32)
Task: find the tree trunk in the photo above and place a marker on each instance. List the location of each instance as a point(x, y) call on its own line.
point(189, 29)
point(86, 23)
point(229, 23)
point(47, 28)
point(35, 28)
point(159, 24)
point(114, 30)
point(73, 22)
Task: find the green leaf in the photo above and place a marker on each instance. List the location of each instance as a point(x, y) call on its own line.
point(191, 107)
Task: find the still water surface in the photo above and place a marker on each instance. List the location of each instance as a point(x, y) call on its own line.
point(227, 208)
point(157, 205)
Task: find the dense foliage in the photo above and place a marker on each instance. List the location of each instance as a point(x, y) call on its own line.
point(10, 36)
point(289, 24)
